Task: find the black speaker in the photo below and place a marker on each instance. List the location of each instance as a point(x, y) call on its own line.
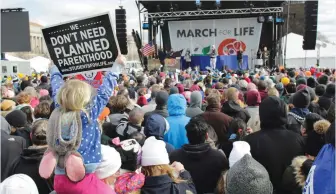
point(120, 17)
point(310, 23)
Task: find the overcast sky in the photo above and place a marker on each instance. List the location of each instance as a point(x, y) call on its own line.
point(50, 12)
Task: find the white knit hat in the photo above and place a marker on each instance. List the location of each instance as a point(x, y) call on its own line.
point(240, 148)
point(110, 164)
point(154, 152)
point(18, 184)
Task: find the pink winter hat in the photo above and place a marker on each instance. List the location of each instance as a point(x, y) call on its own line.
point(44, 92)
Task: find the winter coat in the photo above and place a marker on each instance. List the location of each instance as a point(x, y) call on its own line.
point(274, 146)
point(149, 107)
point(24, 133)
point(263, 94)
point(157, 127)
point(44, 86)
point(293, 179)
point(164, 185)
point(211, 161)
point(325, 101)
point(28, 163)
point(91, 133)
point(315, 108)
point(294, 122)
point(220, 123)
point(177, 135)
point(125, 129)
point(195, 104)
point(233, 109)
point(254, 121)
point(11, 148)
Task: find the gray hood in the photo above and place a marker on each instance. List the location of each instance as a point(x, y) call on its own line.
point(5, 125)
point(196, 99)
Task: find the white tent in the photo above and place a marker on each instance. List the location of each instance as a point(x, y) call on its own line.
point(39, 64)
point(297, 57)
point(12, 58)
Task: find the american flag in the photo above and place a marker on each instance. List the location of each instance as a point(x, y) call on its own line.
point(148, 49)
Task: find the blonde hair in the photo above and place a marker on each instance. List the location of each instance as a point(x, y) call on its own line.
point(221, 185)
point(273, 92)
point(232, 94)
point(161, 170)
point(32, 92)
point(75, 95)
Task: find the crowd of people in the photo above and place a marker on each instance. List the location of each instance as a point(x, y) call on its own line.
point(230, 132)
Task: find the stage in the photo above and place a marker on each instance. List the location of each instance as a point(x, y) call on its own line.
point(204, 61)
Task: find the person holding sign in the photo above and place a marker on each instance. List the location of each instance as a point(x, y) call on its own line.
point(73, 134)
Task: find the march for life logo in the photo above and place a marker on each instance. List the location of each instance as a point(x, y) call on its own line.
point(84, 45)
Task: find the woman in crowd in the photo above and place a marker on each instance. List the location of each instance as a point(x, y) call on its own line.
point(160, 177)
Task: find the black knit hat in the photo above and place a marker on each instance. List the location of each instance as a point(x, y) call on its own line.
point(316, 138)
point(301, 98)
point(320, 89)
point(311, 82)
point(323, 79)
point(17, 118)
point(310, 119)
point(301, 80)
point(161, 98)
point(330, 90)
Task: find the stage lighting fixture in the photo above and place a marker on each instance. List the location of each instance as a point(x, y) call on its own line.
point(270, 18)
point(155, 23)
point(261, 19)
point(161, 23)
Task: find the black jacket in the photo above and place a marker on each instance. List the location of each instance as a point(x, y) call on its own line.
point(24, 133)
point(235, 111)
point(11, 148)
point(274, 146)
point(325, 101)
point(164, 185)
point(28, 163)
point(315, 108)
point(204, 164)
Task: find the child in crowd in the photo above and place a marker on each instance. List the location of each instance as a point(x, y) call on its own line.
point(109, 168)
point(142, 100)
point(239, 130)
point(135, 119)
point(74, 135)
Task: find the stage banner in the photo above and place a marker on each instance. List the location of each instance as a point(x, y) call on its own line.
point(228, 36)
point(83, 45)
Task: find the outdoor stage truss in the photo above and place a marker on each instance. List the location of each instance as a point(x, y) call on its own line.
point(180, 14)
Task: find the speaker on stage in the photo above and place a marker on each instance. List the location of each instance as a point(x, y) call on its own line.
point(120, 17)
point(310, 22)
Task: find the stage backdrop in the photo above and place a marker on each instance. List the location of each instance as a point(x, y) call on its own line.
point(228, 36)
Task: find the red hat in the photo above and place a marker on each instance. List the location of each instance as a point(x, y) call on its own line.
point(142, 101)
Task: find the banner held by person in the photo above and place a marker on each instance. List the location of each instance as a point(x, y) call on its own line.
point(83, 45)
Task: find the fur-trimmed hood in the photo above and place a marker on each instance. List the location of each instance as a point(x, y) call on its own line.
point(321, 126)
point(300, 170)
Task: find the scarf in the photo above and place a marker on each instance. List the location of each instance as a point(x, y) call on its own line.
point(301, 112)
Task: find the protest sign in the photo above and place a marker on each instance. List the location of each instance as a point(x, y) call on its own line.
point(87, 44)
point(95, 79)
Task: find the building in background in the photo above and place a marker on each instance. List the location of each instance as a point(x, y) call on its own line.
point(38, 46)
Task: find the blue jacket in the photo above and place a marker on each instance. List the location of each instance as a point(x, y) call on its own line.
point(90, 145)
point(177, 135)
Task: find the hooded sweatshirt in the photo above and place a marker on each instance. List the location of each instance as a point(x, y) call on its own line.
point(274, 146)
point(233, 109)
point(28, 163)
point(177, 120)
point(157, 126)
point(195, 104)
point(204, 164)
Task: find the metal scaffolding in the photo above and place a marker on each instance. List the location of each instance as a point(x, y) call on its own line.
point(215, 12)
